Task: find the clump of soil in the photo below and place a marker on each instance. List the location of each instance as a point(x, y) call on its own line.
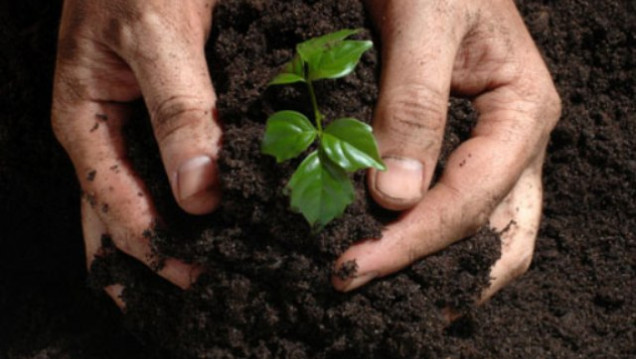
point(267, 290)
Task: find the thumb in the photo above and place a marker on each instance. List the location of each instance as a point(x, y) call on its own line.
point(409, 120)
point(173, 76)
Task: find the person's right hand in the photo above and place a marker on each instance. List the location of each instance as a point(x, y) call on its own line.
point(480, 50)
point(112, 52)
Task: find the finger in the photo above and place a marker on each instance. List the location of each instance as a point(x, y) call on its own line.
point(93, 230)
point(180, 273)
point(518, 108)
point(479, 174)
point(172, 71)
point(517, 217)
point(115, 293)
point(115, 202)
point(417, 58)
point(111, 188)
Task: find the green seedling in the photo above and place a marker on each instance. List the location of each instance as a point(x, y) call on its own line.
point(320, 188)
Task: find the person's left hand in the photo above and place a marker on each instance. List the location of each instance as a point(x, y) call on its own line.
point(110, 54)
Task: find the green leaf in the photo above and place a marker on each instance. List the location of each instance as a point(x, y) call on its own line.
point(287, 134)
point(286, 78)
point(330, 56)
point(293, 71)
point(314, 47)
point(339, 60)
point(350, 144)
point(320, 190)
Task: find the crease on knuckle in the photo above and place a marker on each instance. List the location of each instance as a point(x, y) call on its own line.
point(177, 113)
point(552, 108)
point(541, 100)
point(65, 95)
point(115, 33)
point(158, 26)
point(415, 111)
point(547, 114)
point(126, 25)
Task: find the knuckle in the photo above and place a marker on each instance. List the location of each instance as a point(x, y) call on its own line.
point(156, 26)
point(129, 21)
point(544, 101)
point(178, 113)
point(553, 109)
point(151, 22)
point(61, 125)
point(58, 127)
point(123, 34)
point(125, 25)
point(114, 32)
point(414, 111)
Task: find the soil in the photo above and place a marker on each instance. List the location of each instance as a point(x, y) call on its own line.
point(266, 293)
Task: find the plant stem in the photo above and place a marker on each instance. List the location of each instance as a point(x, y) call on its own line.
point(314, 103)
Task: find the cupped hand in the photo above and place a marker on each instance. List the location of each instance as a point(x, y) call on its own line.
point(479, 49)
point(110, 53)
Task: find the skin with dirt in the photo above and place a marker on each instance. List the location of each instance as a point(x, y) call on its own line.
point(267, 291)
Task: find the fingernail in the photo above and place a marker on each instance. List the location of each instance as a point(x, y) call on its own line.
point(402, 179)
point(360, 280)
point(194, 177)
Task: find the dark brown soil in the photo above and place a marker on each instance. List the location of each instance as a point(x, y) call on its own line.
point(267, 293)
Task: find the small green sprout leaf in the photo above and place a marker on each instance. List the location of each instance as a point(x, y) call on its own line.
point(331, 56)
point(311, 50)
point(320, 190)
point(293, 71)
point(287, 134)
point(339, 61)
point(350, 144)
point(286, 78)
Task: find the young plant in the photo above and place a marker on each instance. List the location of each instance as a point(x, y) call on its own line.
point(320, 187)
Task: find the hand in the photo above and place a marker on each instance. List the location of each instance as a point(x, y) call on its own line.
point(478, 49)
point(112, 52)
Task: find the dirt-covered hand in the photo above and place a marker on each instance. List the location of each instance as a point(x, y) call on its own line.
point(479, 49)
point(113, 52)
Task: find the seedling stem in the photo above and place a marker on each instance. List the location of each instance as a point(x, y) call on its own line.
point(320, 187)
